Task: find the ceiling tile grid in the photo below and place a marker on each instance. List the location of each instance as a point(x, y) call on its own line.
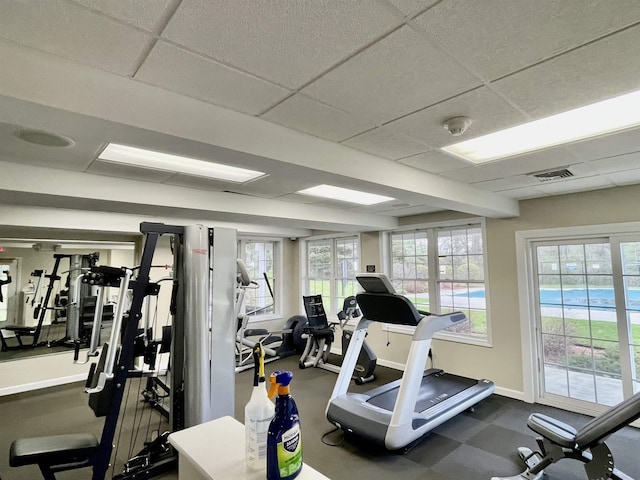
point(398, 75)
point(603, 69)
point(310, 116)
point(608, 145)
point(175, 69)
point(434, 161)
point(497, 37)
point(286, 42)
point(411, 7)
point(573, 185)
point(73, 32)
point(148, 15)
point(488, 111)
point(551, 158)
point(386, 143)
point(629, 177)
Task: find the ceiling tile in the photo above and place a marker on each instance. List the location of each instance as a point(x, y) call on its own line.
point(396, 76)
point(497, 37)
point(273, 186)
point(183, 72)
point(127, 171)
point(608, 145)
point(70, 31)
point(629, 177)
point(146, 14)
point(310, 116)
point(434, 162)
point(572, 185)
point(508, 183)
point(410, 7)
point(387, 144)
point(280, 40)
point(520, 165)
point(488, 111)
point(523, 193)
point(603, 69)
point(620, 163)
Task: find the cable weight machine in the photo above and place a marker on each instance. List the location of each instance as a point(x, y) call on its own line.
point(203, 302)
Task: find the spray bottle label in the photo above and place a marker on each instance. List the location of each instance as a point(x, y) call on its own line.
point(290, 452)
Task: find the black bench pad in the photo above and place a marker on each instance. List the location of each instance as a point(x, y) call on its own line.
point(53, 450)
point(555, 430)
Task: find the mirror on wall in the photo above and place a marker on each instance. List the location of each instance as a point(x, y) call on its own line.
point(40, 282)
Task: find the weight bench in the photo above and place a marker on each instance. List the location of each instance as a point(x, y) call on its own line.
point(560, 440)
point(58, 453)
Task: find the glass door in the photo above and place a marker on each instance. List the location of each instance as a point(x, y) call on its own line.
point(630, 330)
point(578, 325)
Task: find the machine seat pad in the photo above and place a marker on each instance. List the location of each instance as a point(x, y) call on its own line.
point(53, 450)
point(256, 332)
point(555, 430)
point(319, 332)
point(21, 329)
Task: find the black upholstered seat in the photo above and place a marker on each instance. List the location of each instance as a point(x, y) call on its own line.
point(59, 452)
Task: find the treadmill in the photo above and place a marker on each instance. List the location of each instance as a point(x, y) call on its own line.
point(398, 413)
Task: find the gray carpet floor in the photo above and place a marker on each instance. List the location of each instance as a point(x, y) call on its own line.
point(473, 445)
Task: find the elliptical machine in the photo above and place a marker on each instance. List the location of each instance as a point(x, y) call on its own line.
point(320, 337)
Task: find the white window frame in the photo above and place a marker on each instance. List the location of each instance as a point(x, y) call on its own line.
point(304, 267)
point(434, 279)
point(278, 283)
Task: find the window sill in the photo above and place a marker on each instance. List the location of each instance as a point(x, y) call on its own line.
point(447, 337)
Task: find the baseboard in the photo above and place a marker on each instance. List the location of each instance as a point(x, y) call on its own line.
point(27, 387)
point(389, 364)
point(507, 392)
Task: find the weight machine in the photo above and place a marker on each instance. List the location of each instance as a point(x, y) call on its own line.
point(203, 375)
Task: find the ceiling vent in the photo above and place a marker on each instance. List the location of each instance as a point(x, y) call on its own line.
point(551, 175)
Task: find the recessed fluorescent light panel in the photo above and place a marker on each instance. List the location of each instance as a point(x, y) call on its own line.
point(174, 163)
point(344, 194)
point(592, 120)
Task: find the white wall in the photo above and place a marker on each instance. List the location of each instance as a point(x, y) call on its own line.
point(49, 369)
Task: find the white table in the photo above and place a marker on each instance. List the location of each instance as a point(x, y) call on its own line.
point(215, 451)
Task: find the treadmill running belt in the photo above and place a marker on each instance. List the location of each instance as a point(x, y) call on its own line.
point(434, 389)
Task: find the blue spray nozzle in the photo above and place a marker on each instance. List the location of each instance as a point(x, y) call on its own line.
point(280, 381)
point(282, 377)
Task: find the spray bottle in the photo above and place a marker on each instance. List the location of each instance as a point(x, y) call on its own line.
point(257, 416)
point(284, 441)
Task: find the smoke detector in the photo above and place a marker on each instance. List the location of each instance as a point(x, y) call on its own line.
point(456, 126)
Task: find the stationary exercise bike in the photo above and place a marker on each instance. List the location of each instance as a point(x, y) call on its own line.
point(320, 336)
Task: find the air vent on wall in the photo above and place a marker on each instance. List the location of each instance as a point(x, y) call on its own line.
point(550, 175)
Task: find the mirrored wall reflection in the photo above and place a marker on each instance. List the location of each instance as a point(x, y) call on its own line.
point(44, 307)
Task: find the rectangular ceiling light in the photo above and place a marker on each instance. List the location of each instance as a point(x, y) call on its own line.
point(345, 194)
point(175, 163)
point(592, 120)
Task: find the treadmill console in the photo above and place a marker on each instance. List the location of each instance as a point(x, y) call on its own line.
point(375, 283)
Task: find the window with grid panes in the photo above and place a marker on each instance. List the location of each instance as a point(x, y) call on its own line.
point(259, 258)
point(331, 266)
point(442, 270)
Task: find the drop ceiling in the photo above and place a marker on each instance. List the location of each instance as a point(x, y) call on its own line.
point(351, 93)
